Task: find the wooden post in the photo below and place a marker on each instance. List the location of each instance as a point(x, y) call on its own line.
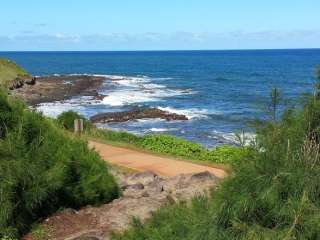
point(78, 125)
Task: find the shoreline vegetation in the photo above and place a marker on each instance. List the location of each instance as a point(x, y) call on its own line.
point(272, 191)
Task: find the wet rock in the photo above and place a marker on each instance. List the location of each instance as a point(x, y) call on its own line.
point(31, 81)
point(54, 88)
point(17, 83)
point(136, 114)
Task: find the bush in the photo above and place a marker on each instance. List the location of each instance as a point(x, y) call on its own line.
point(66, 119)
point(43, 169)
point(10, 114)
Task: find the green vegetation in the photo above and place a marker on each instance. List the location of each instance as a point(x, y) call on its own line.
point(173, 146)
point(10, 71)
point(43, 169)
point(272, 194)
point(66, 119)
point(180, 221)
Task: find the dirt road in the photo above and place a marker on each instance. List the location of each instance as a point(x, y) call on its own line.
point(141, 161)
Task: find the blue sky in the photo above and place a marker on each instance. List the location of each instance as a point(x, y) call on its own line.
point(158, 24)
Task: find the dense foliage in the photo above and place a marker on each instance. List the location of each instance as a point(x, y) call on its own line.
point(274, 192)
point(66, 119)
point(43, 169)
point(165, 144)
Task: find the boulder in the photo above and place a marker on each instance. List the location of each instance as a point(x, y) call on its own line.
point(136, 114)
point(15, 84)
point(31, 81)
point(143, 178)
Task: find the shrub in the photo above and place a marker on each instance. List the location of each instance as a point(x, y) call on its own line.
point(66, 119)
point(181, 221)
point(10, 114)
point(43, 169)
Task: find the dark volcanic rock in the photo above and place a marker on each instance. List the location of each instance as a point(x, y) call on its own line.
point(57, 88)
point(31, 81)
point(17, 83)
point(136, 114)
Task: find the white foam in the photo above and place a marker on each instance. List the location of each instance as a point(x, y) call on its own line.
point(162, 129)
point(190, 113)
point(53, 109)
point(247, 137)
point(120, 98)
point(159, 129)
point(56, 108)
point(138, 90)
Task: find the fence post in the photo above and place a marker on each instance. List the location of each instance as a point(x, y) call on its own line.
point(78, 126)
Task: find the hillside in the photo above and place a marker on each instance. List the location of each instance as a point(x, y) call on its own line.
point(10, 71)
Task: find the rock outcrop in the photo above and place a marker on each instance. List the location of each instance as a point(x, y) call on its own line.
point(136, 114)
point(15, 84)
point(57, 88)
point(30, 81)
point(143, 193)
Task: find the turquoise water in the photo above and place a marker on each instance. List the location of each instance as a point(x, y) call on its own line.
point(220, 91)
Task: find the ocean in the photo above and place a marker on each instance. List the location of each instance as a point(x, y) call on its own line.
point(219, 91)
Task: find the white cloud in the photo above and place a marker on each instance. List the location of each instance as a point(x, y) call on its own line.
point(152, 40)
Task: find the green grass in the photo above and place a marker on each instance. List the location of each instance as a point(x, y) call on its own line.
point(43, 169)
point(169, 146)
point(9, 71)
point(159, 144)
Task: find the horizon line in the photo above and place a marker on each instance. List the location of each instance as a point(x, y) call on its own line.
point(164, 50)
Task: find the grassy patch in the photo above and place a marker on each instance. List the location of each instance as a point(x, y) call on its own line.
point(169, 146)
point(9, 71)
point(38, 232)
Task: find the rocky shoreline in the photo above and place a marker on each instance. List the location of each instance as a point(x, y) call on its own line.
point(37, 90)
point(136, 114)
point(58, 88)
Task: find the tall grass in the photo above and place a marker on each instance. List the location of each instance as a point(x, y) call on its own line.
point(43, 168)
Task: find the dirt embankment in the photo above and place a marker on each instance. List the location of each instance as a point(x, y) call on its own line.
point(143, 193)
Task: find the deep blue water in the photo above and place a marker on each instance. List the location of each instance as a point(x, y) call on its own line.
point(219, 90)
